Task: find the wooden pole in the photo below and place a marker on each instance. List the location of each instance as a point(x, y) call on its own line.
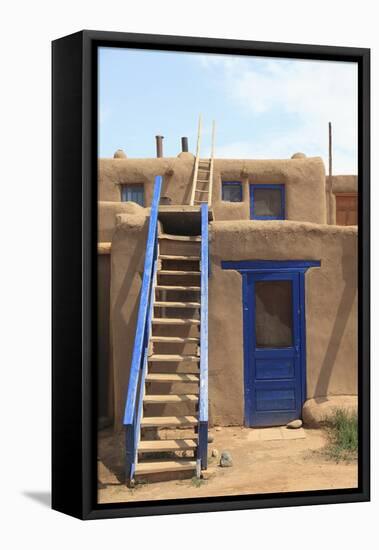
point(330, 204)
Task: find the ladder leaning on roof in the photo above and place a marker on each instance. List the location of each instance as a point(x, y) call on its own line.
point(203, 173)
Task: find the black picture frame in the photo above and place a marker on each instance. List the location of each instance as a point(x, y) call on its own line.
point(74, 206)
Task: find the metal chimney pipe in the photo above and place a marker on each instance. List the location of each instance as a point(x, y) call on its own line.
point(159, 140)
point(185, 144)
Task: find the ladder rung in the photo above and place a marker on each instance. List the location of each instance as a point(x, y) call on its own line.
point(172, 272)
point(175, 339)
point(177, 304)
point(185, 238)
point(162, 445)
point(168, 377)
point(175, 288)
point(163, 421)
point(174, 321)
point(200, 202)
point(202, 181)
point(201, 191)
point(179, 258)
point(155, 467)
point(168, 358)
point(171, 398)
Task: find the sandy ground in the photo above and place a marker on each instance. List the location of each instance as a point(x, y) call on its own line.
point(259, 466)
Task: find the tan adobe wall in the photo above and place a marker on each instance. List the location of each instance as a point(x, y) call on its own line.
point(304, 180)
point(331, 304)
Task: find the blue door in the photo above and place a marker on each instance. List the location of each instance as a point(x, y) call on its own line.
point(274, 347)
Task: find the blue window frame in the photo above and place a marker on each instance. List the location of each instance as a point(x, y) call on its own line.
point(133, 192)
point(232, 191)
point(267, 201)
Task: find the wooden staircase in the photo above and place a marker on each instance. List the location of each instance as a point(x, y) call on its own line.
point(202, 183)
point(171, 396)
point(166, 408)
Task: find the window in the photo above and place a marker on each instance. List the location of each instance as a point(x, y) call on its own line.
point(232, 191)
point(346, 209)
point(273, 314)
point(266, 202)
point(133, 192)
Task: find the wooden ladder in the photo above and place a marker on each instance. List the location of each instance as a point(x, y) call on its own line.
point(202, 182)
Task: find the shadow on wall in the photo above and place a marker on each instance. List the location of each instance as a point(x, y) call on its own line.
point(118, 320)
point(341, 319)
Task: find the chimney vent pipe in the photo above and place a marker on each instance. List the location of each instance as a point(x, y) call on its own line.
point(185, 144)
point(159, 141)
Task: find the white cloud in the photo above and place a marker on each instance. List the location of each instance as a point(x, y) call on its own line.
point(309, 94)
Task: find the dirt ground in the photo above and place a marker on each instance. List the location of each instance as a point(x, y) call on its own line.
point(259, 466)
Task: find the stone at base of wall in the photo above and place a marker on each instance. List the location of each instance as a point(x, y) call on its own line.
point(316, 410)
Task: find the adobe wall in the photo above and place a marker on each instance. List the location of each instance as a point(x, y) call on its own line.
point(304, 180)
point(331, 306)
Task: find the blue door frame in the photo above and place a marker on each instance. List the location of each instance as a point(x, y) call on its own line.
point(274, 378)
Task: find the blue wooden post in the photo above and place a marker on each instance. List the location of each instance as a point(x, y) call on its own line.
point(203, 397)
point(132, 414)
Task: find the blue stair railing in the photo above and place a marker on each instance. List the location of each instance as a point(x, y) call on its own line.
point(202, 456)
point(138, 369)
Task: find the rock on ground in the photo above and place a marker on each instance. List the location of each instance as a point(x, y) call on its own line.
point(316, 410)
point(226, 459)
point(295, 424)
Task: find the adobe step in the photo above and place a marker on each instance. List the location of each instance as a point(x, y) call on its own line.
point(154, 467)
point(163, 445)
point(171, 398)
point(168, 421)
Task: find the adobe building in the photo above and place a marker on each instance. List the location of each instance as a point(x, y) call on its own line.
point(282, 285)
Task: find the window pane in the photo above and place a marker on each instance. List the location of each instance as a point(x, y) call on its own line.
point(273, 314)
point(134, 193)
point(232, 192)
point(267, 202)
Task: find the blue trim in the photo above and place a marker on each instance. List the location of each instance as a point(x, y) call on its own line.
point(279, 186)
point(203, 391)
point(270, 265)
point(133, 407)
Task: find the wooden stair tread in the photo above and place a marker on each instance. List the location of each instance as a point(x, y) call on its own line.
point(177, 304)
point(163, 421)
point(153, 467)
point(171, 398)
point(167, 377)
point(172, 357)
point(172, 272)
point(179, 258)
point(184, 238)
point(174, 321)
point(161, 445)
point(175, 339)
point(178, 287)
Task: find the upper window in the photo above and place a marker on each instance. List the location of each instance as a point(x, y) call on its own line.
point(133, 192)
point(266, 202)
point(232, 191)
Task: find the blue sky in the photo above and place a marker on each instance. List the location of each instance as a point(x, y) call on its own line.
point(263, 107)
